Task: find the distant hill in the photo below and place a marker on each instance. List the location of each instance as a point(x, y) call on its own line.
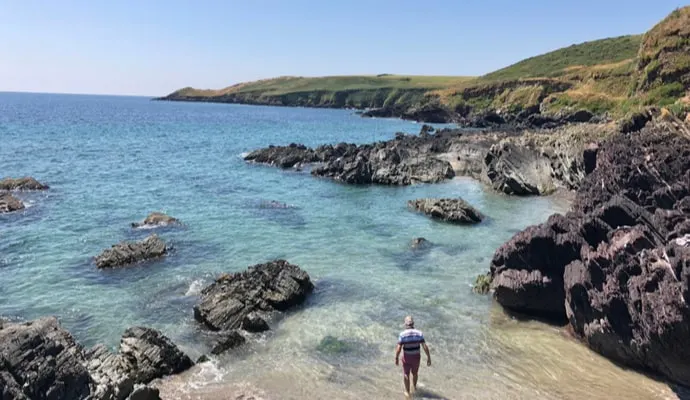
point(611, 76)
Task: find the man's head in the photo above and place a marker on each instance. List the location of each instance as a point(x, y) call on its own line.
point(409, 322)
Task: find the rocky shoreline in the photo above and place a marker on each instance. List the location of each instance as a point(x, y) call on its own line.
point(520, 163)
point(616, 267)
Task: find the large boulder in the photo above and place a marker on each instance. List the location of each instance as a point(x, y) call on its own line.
point(126, 253)
point(263, 288)
point(518, 170)
point(456, 211)
point(617, 266)
point(9, 203)
point(290, 156)
point(25, 183)
point(40, 360)
point(156, 219)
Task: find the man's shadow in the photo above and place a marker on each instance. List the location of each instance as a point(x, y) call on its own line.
point(424, 393)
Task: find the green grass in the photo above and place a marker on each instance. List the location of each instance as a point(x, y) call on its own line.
point(557, 63)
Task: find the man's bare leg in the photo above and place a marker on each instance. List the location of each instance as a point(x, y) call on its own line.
point(414, 381)
point(406, 381)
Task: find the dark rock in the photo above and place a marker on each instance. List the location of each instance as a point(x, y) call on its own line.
point(26, 183)
point(40, 360)
point(126, 253)
point(383, 112)
point(202, 359)
point(449, 210)
point(432, 112)
point(254, 323)
point(290, 156)
point(156, 219)
point(228, 340)
point(579, 116)
point(9, 203)
point(618, 265)
point(590, 157)
point(152, 354)
point(274, 286)
point(332, 345)
point(634, 122)
point(144, 392)
point(420, 244)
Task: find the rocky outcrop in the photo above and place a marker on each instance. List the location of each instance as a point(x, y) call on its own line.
point(456, 211)
point(156, 219)
point(41, 360)
point(126, 253)
point(518, 170)
point(21, 184)
point(238, 300)
point(617, 267)
point(9, 203)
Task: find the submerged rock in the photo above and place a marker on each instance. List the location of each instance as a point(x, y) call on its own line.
point(26, 183)
point(232, 298)
point(126, 253)
point(156, 219)
point(618, 265)
point(332, 345)
point(457, 211)
point(9, 203)
point(420, 244)
point(482, 285)
point(227, 341)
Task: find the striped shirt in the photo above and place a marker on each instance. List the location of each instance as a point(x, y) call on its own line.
point(411, 340)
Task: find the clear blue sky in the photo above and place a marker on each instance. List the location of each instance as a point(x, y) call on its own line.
point(152, 47)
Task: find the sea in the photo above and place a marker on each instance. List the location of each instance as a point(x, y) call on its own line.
point(110, 160)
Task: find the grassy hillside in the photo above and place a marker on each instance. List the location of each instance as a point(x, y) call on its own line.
point(560, 62)
point(613, 76)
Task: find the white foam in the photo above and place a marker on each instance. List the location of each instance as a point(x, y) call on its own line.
point(195, 288)
point(243, 155)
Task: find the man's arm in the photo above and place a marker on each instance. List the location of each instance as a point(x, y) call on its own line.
point(398, 348)
point(428, 356)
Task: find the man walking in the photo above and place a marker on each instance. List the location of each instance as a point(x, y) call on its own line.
point(409, 342)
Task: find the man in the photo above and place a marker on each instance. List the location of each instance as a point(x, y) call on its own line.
point(409, 342)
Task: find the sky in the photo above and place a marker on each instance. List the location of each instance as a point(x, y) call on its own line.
point(153, 47)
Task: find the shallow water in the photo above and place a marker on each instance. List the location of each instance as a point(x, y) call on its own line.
point(112, 160)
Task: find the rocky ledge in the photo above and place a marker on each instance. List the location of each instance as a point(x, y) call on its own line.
point(9, 203)
point(516, 163)
point(242, 300)
point(126, 253)
point(456, 211)
point(156, 219)
point(617, 266)
point(26, 183)
point(41, 360)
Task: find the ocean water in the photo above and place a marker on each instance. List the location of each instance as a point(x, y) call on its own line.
point(112, 160)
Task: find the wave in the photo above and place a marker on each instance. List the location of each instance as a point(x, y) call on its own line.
point(195, 288)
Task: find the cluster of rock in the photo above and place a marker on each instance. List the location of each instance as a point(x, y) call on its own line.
point(156, 219)
point(617, 266)
point(456, 211)
point(41, 360)
point(405, 160)
point(243, 300)
point(8, 202)
point(525, 163)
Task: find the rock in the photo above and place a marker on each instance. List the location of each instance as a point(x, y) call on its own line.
point(579, 116)
point(617, 266)
point(254, 323)
point(273, 286)
point(156, 219)
point(145, 354)
point(202, 359)
point(9, 203)
point(144, 392)
point(590, 157)
point(518, 170)
point(332, 345)
point(383, 112)
point(228, 340)
point(290, 156)
point(40, 360)
point(527, 271)
point(634, 122)
point(420, 244)
point(448, 210)
point(26, 183)
point(126, 253)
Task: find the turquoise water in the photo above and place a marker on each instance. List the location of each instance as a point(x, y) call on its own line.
point(112, 160)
